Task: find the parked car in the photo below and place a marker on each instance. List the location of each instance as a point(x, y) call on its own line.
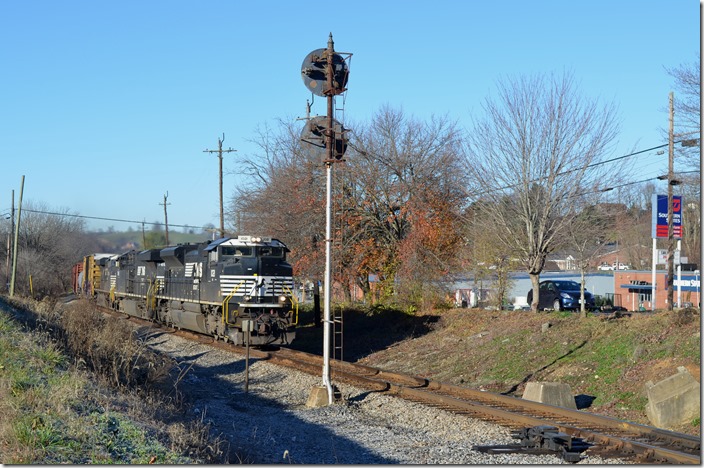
point(614, 266)
point(561, 295)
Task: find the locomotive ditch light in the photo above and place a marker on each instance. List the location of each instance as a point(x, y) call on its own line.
point(283, 299)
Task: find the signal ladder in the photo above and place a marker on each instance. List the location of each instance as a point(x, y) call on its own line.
point(337, 332)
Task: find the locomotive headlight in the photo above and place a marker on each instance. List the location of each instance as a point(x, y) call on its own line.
point(256, 239)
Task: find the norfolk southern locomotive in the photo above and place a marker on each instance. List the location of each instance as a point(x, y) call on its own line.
point(209, 288)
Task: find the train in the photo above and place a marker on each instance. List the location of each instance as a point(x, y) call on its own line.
point(237, 289)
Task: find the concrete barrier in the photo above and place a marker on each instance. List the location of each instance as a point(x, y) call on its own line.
point(318, 397)
point(674, 400)
point(552, 393)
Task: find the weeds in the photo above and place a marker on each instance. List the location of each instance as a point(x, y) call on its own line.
point(53, 413)
point(610, 360)
point(110, 348)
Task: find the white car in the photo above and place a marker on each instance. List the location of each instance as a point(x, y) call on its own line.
point(614, 266)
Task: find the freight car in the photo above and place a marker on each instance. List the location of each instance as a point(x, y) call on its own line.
point(210, 287)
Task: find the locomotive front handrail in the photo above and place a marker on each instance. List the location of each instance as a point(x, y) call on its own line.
point(226, 303)
point(151, 294)
point(295, 301)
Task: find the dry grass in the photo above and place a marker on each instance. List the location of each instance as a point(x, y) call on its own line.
point(59, 401)
point(609, 360)
point(111, 349)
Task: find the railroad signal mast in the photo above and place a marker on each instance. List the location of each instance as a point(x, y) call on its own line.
point(325, 73)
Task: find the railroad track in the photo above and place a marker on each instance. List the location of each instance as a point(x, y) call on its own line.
point(603, 435)
point(609, 437)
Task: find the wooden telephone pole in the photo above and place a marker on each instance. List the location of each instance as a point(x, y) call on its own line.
point(166, 217)
point(670, 230)
point(220, 151)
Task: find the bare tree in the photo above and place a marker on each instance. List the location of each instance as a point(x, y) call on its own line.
point(396, 200)
point(688, 127)
point(489, 258)
point(690, 189)
point(688, 109)
point(48, 246)
point(532, 157)
point(284, 196)
point(405, 196)
point(586, 235)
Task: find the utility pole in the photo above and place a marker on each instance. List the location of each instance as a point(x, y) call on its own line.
point(220, 151)
point(670, 230)
point(14, 247)
point(9, 242)
point(166, 217)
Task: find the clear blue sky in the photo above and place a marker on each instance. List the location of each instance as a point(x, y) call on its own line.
point(108, 105)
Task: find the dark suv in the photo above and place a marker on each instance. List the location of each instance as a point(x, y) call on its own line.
point(561, 295)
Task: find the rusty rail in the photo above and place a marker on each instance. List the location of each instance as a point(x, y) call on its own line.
point(608, 436)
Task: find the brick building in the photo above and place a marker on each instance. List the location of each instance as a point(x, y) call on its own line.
point(635, 288)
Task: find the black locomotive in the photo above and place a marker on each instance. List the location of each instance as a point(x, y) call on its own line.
point(216, 287)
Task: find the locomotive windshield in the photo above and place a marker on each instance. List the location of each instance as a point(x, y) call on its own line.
point(235, 251)
point(274, 252)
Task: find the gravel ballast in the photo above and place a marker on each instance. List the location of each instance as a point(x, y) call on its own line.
point(272, 424)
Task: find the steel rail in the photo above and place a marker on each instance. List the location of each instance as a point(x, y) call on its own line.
point(622, 438)
point(618, 439)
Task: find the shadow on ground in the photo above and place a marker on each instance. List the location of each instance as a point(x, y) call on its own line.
point(364, 332)
point(249, 427)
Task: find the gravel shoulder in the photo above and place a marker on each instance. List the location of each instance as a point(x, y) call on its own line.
point(271, 423)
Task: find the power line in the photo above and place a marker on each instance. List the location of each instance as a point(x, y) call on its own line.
point(635, 153)
point(99, 218)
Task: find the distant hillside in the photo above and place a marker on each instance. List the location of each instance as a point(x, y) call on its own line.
point(118, 242)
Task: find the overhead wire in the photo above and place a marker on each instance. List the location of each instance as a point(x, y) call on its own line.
point(99, 218)
point(155, 223)
point(598, 163)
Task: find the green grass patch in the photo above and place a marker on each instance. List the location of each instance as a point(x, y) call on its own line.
point(51, 413)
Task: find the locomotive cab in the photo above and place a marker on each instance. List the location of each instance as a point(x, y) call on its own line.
point(256, 283)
